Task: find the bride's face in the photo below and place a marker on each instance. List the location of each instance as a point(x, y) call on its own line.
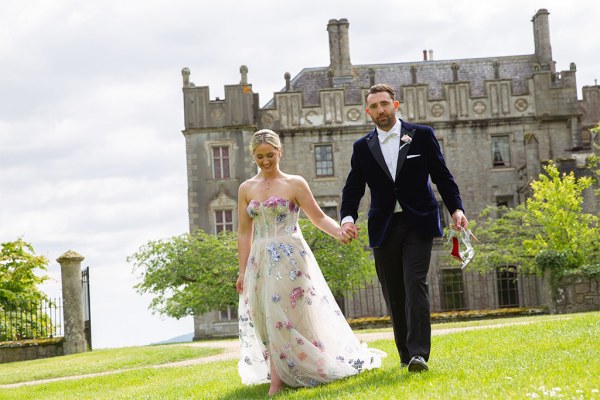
point(267, 157)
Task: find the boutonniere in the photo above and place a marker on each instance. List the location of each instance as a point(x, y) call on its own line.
point(405, 139)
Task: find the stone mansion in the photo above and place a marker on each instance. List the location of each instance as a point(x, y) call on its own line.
point(497, 120)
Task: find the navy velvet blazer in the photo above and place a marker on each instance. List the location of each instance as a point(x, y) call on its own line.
point(417, 161)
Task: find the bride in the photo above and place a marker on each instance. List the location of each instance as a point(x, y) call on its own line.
point(291, 329)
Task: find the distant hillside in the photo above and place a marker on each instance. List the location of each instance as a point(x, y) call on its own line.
point(178, 339)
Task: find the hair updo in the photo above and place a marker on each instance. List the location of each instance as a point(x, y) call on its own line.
point(264, 136)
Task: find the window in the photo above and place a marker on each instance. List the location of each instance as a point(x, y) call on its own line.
point(508, 286)
point(452, 289)
point(223, 221)
point(500, 151)
point(324, 160)
point(228, 314)
point(504, 203)
point(220, 157)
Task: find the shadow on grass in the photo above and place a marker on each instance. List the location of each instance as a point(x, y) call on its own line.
point(370, 382)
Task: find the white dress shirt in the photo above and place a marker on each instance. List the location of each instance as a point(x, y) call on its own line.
point(389, 141)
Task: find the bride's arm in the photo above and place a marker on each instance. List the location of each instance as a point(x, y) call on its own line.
point(306, 201)
point(244, 236)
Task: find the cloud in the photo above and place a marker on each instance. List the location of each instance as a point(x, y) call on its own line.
point(91, 152)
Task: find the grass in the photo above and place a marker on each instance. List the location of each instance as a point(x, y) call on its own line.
point(548, 356)
point(98, 361)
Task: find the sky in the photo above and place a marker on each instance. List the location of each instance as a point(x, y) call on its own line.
point(92, 158)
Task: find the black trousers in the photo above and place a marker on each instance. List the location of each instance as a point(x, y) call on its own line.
point(402, 263)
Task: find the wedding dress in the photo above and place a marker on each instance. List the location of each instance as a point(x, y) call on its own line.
point(287, 312)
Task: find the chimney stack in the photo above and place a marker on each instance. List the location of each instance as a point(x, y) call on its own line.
point(424, 55)
point(541, 36)
point(339, 47)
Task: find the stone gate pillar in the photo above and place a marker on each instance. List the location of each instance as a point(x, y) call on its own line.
point(70, 270)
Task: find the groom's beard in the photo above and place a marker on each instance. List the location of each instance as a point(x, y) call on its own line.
point(385, 121)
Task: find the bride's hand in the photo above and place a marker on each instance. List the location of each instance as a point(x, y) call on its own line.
point(343, 236)
point(239, 284)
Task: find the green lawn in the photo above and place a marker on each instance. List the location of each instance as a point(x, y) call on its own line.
point(548, 357)
point(98, 361)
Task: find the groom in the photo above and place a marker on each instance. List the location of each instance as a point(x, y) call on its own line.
point(396, 160)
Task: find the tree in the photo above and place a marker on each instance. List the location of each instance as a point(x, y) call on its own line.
point(501, 232)
point(557, 206)
point(548, 230)
point(20, 297)
point(18, 279)
point(593, 162)
point(195, 272)
point(345, 266)
point(188, 274)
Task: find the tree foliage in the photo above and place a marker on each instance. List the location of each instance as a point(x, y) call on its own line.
point(195, 273)
point(345, 266)
point(557, 206)
point(20, 297)
point(549, 230)
point(188, 274)
point(502, 231)
point(593, 162)
point(18, 267)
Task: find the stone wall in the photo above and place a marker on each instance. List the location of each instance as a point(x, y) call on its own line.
point(577, 294)
point(31, 349)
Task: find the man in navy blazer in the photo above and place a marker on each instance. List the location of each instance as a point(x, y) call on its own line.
point(397, 160)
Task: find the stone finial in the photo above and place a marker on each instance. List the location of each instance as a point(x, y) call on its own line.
point(70, 256)
point(185, 73)
point(287, 78)
point(530, 137)
point(371, 77)
point(496, 66)
point(573, 67)
point(455, 67)
point(413, 74)
point(330, 76)
point(244, 72)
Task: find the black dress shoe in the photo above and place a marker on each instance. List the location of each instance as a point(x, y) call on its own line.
point(417, 364)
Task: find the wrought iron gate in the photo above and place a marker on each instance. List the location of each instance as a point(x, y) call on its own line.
point(87, 316)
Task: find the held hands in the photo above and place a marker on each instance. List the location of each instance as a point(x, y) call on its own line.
point(348, 232)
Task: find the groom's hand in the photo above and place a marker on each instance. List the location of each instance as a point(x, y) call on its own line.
point(459, 220)
point(351, 230)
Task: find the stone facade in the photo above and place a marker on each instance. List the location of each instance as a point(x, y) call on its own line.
point(497, 120)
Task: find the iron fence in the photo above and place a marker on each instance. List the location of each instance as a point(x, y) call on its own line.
point(454, 289)
point(31, 320)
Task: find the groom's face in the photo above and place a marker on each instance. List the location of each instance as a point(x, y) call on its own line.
point(382, 110)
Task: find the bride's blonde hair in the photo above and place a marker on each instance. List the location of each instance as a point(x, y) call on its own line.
point(264, 136)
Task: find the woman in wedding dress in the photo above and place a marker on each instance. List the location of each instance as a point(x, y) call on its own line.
point(291, 329)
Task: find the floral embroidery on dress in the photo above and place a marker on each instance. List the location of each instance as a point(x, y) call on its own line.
point(296, 294)
point(285, 332)
point(295, 274)
point(272, 249)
